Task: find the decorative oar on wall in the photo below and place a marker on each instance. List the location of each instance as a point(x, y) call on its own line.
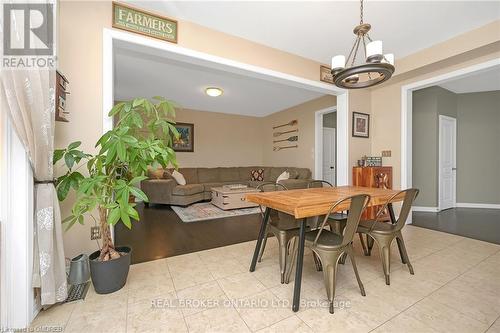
point(286, 147)
point(276, 134)
point(291, 139)
point(291, 123)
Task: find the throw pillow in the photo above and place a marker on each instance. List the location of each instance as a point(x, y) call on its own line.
point(179, 178)
point(257, 175)
point(283, 176)
point(155, 173)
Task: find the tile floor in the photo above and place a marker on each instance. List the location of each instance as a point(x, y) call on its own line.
point(456, 288)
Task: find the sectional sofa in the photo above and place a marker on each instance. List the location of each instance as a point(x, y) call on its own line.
point(161, 188)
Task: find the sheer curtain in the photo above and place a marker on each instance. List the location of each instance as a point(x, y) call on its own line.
point(28, 96)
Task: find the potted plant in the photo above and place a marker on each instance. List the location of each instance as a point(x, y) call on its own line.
point(110, 177)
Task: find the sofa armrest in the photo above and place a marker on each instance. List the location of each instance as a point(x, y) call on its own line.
point(158, 190)
point(293, 184)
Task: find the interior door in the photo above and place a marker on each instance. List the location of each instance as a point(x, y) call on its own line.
point(447, 162)
point(329, 154)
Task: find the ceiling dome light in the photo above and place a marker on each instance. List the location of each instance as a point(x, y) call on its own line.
point(376, 67)
point(213, 91)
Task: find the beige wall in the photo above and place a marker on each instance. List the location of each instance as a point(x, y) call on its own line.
point(80, 59)
point(222, 139)
point(303, 156)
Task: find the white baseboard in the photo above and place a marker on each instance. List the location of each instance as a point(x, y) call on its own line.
point(425, 209)
point(478, 205)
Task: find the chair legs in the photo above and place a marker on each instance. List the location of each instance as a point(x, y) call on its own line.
point(384, 245)
point(330, 261)
point(350, 252)
point(404, 254)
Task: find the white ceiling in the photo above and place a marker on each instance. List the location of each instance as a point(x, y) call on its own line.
point(476, 82)
point(138, 74)
point(320, 29)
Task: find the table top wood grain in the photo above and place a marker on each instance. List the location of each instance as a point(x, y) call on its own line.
point(304, 203)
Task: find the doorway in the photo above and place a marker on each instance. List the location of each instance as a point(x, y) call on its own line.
point(447, 162)
point(330, 148)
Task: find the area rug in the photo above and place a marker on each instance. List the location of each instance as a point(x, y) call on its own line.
point(204, 211)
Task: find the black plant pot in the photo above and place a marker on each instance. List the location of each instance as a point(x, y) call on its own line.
point(110, 276)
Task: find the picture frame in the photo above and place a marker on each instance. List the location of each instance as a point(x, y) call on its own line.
point(185, 143)
point(325, 74)
point(360, 125)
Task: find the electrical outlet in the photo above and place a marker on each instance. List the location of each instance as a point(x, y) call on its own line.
point(95, 233)
point(386, 153)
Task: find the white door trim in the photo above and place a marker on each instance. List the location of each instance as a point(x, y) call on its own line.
point(16, 254)
point(342, 143)
point(172, 51)
point(407, 111)
point(454, 148)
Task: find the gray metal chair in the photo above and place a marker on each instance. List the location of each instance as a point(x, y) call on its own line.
point(286, 229)
point(384, 233)
point(329, 246)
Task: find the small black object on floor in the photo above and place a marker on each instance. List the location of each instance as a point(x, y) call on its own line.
point(77, 292)
point(476, 223)
point(161, 233)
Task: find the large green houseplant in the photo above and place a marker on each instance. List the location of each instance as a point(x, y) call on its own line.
point(142, 137)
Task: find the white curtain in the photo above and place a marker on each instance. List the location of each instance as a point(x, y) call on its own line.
point(28, 96)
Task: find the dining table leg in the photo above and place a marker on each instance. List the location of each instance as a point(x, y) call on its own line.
point(262, 234)
point(298, 270)
point(393, 220)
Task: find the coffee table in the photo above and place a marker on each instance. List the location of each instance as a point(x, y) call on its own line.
point(226, 199)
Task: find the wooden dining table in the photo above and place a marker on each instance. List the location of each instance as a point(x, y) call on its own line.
point(304, 203)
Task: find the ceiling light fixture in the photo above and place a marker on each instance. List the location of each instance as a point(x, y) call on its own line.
point(213, 91)
point(376, 69)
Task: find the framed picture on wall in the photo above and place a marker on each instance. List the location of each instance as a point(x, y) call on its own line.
point(360, 125)
point(185, 142)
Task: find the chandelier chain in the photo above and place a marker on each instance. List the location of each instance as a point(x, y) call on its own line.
point(361, 12)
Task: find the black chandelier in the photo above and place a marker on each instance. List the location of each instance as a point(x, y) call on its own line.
point(376, 69)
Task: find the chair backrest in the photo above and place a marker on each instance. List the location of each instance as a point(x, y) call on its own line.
point(270, 187)
point(409, 197)
point(357, 205)
point(319, 183)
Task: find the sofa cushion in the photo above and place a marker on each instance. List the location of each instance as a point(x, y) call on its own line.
point(208, 175)
point(188, 189)
point(229, 174)
point(304, 173)
point(190, 174)
point(275, 172)
point(245, 172)
point(155, 173)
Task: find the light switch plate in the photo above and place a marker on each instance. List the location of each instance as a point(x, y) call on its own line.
point(386, 153)
point(95, 233)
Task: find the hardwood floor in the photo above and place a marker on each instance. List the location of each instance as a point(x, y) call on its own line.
point(161, 233)
point(477, 223)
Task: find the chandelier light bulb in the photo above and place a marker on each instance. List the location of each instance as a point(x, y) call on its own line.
point(374, 51)
point(338, 62)
point(389, 58)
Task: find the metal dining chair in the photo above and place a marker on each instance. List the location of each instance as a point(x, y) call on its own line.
point(329, 246)
point(336, 221)
point(384, 233)
point(286, 229)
